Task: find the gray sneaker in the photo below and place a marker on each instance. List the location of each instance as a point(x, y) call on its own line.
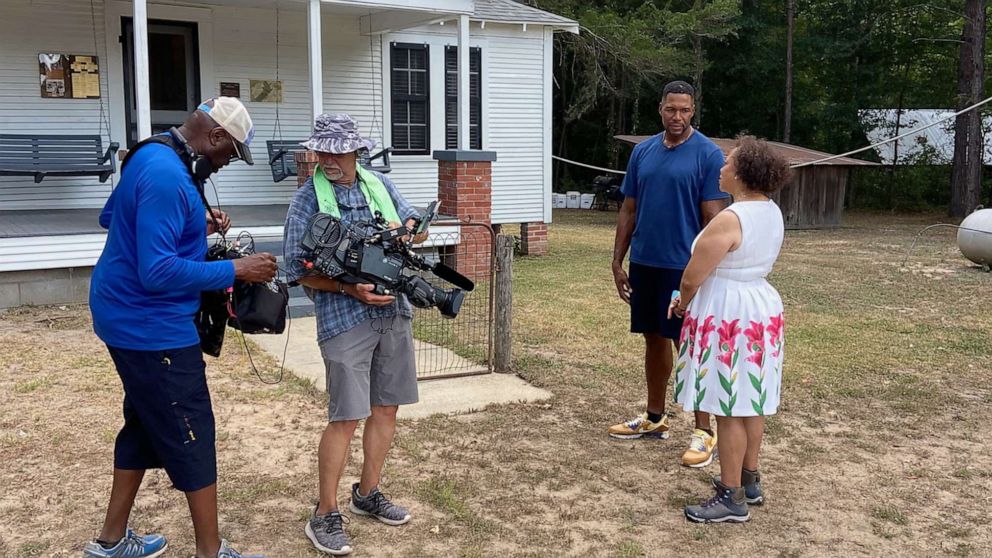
point(132, 545)
point(326, 532)
point(727, 505)
point(752, 487)
point(377, 505)
point(227, 552)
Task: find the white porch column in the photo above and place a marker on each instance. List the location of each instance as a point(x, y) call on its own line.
point(463, 83)
point(316, 64)
point(141, 88)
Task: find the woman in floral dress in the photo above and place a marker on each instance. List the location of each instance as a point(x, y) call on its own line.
point(730, 349)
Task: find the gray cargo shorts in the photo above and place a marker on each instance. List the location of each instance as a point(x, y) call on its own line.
point(366, 368)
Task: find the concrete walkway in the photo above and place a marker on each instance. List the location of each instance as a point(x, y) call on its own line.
point(447, 395)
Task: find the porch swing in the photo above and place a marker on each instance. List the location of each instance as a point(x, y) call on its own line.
point(282, 153)
point(43, 155)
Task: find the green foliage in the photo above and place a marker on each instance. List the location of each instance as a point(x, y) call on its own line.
point(848, 55)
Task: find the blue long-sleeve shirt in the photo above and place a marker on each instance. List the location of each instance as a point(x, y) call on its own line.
point(145, 289)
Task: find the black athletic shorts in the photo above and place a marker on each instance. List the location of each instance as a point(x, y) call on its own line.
point(652, 293)
point(168, 419)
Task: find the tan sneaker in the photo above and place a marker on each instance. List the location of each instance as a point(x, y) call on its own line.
point(700, 452)
point(641, 427)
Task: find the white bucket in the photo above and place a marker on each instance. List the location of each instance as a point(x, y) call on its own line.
point(572, 200)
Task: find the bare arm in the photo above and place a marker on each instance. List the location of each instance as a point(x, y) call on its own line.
point(709, 209)
point(625, 229)
point(721, 236)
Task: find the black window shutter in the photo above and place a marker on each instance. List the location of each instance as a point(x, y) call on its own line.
point(410, 98)
point(451, 97)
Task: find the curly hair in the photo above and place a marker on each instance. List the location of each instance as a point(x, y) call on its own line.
point(759, 167)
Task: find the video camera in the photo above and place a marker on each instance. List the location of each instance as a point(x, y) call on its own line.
point(371, 252)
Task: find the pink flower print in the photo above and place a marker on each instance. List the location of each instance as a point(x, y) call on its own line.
point(726, 358)
point(704, 339)
point(775, 325)
point(705, 331)
point(776, 328)
point(728, 334)
point(756, 343)
point(688, 328)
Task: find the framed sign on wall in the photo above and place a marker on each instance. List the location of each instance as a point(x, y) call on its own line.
point(69, 76)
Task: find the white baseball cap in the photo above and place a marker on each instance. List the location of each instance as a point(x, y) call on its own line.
point(230, 114)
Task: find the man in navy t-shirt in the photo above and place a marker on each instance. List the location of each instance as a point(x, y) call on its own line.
point(144, 294)
point(671, 191)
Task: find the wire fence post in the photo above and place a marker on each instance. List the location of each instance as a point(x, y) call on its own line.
point(503, 330)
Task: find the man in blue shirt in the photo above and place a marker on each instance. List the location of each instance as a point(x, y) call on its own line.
point(671, 191)
point(144, 294)
point(366, 339)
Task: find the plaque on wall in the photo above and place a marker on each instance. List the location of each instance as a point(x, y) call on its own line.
point(266, 91)
point(230, 89)
point(69, 76)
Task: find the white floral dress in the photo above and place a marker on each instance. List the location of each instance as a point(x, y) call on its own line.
point(730, 348)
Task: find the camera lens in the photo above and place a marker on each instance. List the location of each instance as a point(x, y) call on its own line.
point(449, 302)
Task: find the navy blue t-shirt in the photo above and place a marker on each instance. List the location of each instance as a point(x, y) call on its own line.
point(668, 185)
point(145, 288)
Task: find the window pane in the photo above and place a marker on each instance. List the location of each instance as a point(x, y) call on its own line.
point(418, 58)
point(418, 137)
point(418, 83)
point(401, 82)
point(418, 112)
point(400, 112)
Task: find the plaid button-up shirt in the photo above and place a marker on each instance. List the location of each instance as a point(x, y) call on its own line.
point(337, 313)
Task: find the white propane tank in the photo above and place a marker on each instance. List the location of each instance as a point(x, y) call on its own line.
point(977, 246)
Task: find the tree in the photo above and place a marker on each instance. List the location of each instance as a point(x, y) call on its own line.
point(790, 15)
point(966, 176)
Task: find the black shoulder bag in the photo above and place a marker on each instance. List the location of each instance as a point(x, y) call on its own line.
point(248, 307)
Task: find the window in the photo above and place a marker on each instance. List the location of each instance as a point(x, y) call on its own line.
point(451, 97)
point(410, 91)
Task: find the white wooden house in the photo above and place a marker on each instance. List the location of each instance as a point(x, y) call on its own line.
point(158, 59)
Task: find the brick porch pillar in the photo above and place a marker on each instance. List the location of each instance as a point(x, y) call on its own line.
point(534, 238)
point(306, 161)
point(465, 190)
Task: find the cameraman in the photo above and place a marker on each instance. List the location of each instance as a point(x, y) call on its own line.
point(144, 293)
point(366, 340)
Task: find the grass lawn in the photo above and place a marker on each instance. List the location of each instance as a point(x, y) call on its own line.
point(881, 446)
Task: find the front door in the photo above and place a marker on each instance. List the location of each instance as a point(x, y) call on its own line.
point(173, 74)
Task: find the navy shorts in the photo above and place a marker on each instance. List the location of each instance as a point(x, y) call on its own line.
point(652, 294)
point(168, 419)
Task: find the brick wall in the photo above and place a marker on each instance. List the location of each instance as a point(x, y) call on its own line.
point(534, 238)
point(465, 191)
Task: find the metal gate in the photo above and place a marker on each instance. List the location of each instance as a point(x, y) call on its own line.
point(464, 345)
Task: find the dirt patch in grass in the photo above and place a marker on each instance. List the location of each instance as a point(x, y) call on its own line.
point(880, 447)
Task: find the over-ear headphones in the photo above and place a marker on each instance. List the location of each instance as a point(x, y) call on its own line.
point(199, 166)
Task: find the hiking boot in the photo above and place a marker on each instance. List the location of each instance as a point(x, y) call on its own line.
point(132, 545)
point(641, 427)
point(326, 532)
point(701, 449)
point(377, 505)
point(752, 487)
point(727, 505)
point(227, 552)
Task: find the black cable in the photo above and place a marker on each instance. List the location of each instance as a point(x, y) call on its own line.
point(234, 302)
